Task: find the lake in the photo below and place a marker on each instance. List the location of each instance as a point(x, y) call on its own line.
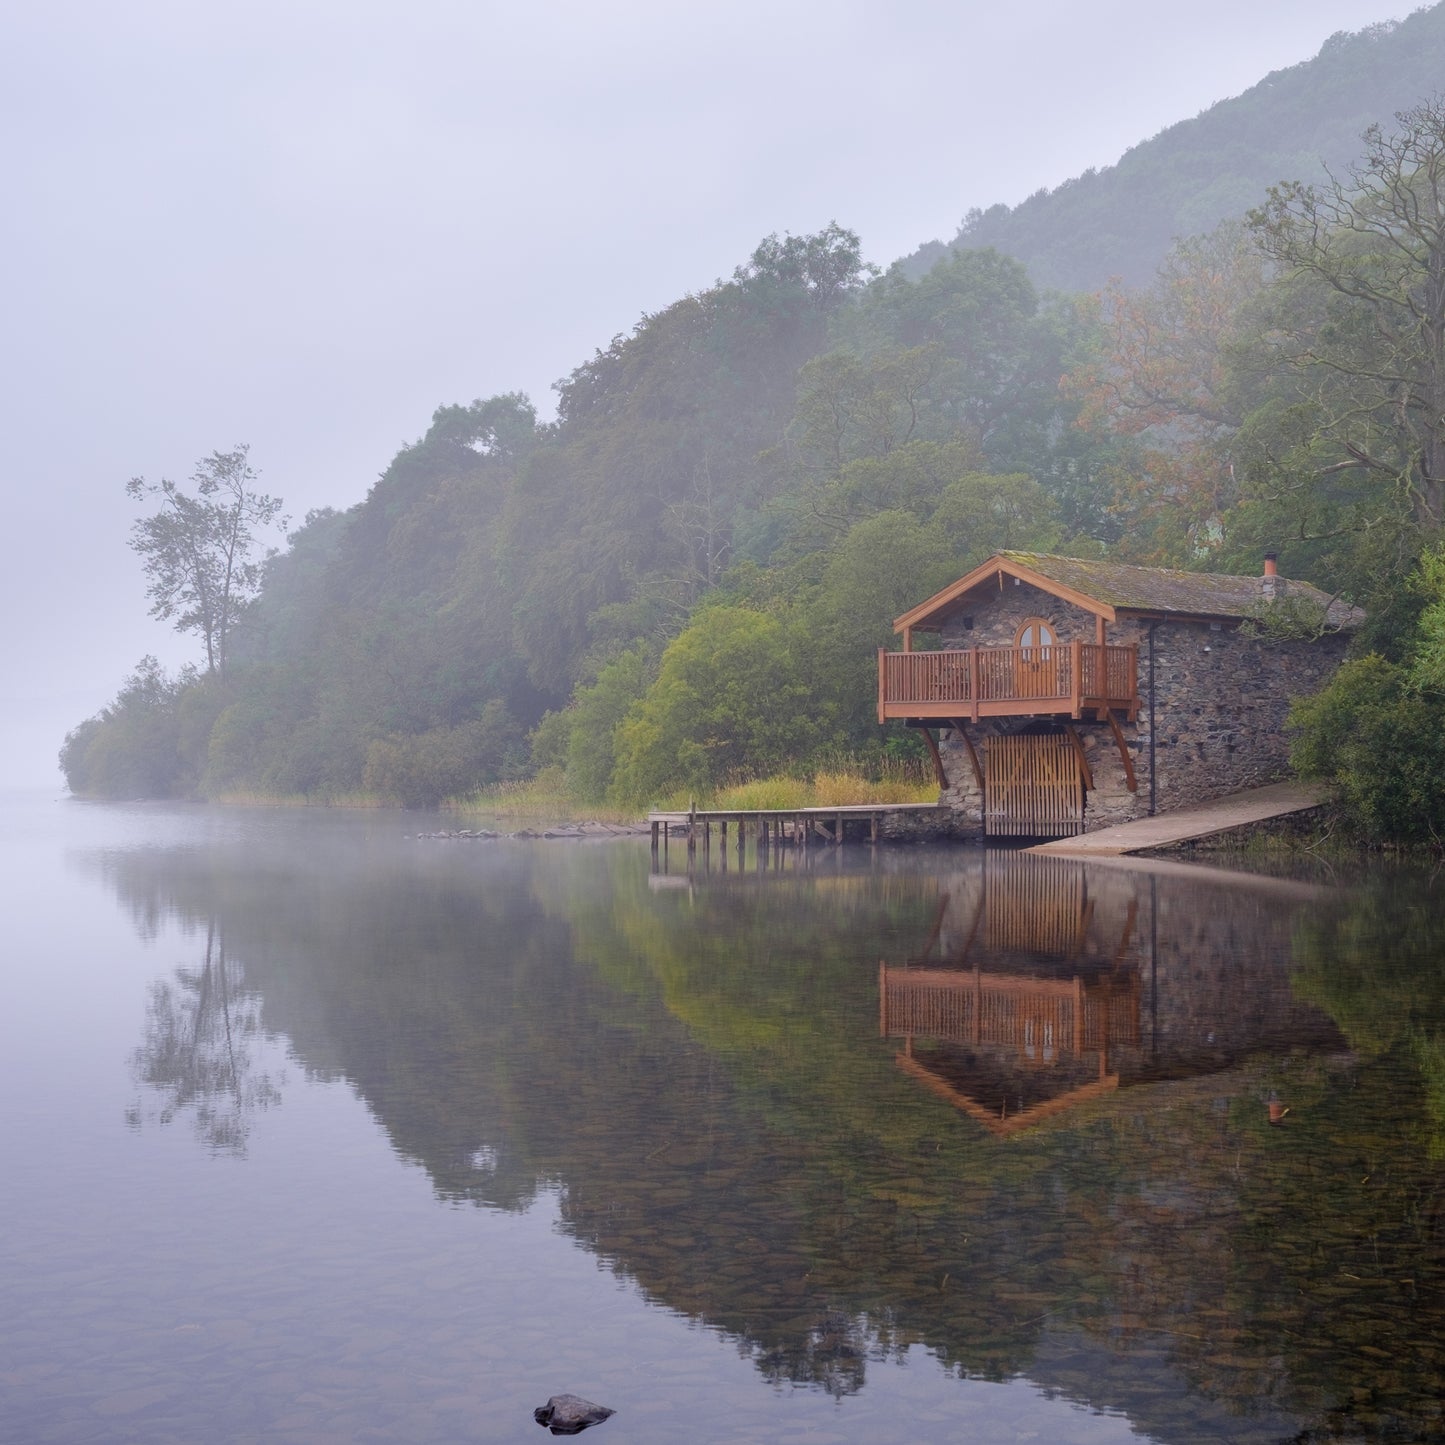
point(317, 1130)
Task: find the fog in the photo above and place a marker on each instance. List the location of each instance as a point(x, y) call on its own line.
point(305, 226)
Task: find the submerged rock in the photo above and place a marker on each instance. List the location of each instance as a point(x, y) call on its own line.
point(567, 1414)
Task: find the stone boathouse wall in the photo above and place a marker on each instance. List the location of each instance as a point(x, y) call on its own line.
point(1220, 699)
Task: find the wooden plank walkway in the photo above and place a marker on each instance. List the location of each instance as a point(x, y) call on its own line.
point(774, 826)
point(1256, 805)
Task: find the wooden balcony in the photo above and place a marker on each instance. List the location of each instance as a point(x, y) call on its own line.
point(1042, 1020)
point(1068, 679)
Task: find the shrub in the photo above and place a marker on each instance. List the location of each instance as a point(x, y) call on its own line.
point(727, 701)
point(596, 714)
point(131, 749)
point(424, 769)
point(1381, 741)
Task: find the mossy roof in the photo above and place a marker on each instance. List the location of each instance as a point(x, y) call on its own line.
point(1122, 587)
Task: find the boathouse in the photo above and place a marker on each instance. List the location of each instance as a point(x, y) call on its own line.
point(1069, 694)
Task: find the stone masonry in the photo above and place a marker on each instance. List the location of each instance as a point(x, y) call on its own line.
point(1216, 707)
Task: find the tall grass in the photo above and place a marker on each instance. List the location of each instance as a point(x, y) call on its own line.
point(777, 792)
point(544, 797)
point(844, 781)
point(256, 798)
point(833, 788)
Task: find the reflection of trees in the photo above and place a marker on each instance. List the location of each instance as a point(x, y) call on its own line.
point(197, 1050)
point(699, 1075)
point(830, 1352)
point(1375, 968)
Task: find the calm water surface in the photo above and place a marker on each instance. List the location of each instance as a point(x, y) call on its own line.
point(316, 1131)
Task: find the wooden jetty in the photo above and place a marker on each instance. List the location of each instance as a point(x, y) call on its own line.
point(782, 827)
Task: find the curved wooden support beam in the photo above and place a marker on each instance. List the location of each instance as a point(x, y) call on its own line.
point(1084, 767)
point(962, 731)
point(937, 928)
point(1130, 780)
point(937, 758)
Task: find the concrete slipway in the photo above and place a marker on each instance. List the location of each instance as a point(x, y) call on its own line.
point(1255, 805)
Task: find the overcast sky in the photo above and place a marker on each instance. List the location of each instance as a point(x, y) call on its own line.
point(306, 224)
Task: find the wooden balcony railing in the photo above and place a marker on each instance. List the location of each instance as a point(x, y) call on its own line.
point(1067, 677)
point(1042, 1019)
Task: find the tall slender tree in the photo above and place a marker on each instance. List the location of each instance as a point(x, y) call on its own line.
point(199, 549)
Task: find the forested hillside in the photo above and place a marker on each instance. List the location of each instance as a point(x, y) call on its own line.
point(1120, 220)
point(683, 579)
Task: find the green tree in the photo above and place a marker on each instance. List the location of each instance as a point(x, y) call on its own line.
point(198, 549)
point(727, 701)
point(994, 352)
point(1428, 654)
point(881, 568)
point(1377, 730)
point(913, 478)
point(134, 747)
point(851, 407)
point(595, 715)
point(980, 514)
point(421, 770)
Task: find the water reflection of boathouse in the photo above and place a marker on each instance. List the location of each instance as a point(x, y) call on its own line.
point(1040, 987)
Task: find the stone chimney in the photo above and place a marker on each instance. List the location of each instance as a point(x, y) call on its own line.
point(1269, 583)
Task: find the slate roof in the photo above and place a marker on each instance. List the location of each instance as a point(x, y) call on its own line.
point(1163, 590)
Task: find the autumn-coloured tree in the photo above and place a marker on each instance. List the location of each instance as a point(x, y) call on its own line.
point(1164, 375)
point(1361, 319)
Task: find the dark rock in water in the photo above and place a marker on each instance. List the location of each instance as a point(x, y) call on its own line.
point(567, 1414)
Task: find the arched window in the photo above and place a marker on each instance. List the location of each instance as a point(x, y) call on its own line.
point(1035, 632)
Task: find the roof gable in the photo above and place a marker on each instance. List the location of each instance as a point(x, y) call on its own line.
point(1108, 589)
point(1002, 564)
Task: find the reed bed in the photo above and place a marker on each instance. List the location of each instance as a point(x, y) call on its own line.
point(542, 798)
point(838, 785)
point(256, 798)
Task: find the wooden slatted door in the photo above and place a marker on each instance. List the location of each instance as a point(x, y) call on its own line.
point(1033, 787)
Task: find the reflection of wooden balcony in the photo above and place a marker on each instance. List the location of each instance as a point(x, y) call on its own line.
point(1066, 678)
point(1041, 1020)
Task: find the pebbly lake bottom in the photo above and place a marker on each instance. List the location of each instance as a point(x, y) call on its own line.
point(315, 1131)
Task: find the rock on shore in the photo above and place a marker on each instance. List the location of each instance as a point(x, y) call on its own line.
point(591, 829)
